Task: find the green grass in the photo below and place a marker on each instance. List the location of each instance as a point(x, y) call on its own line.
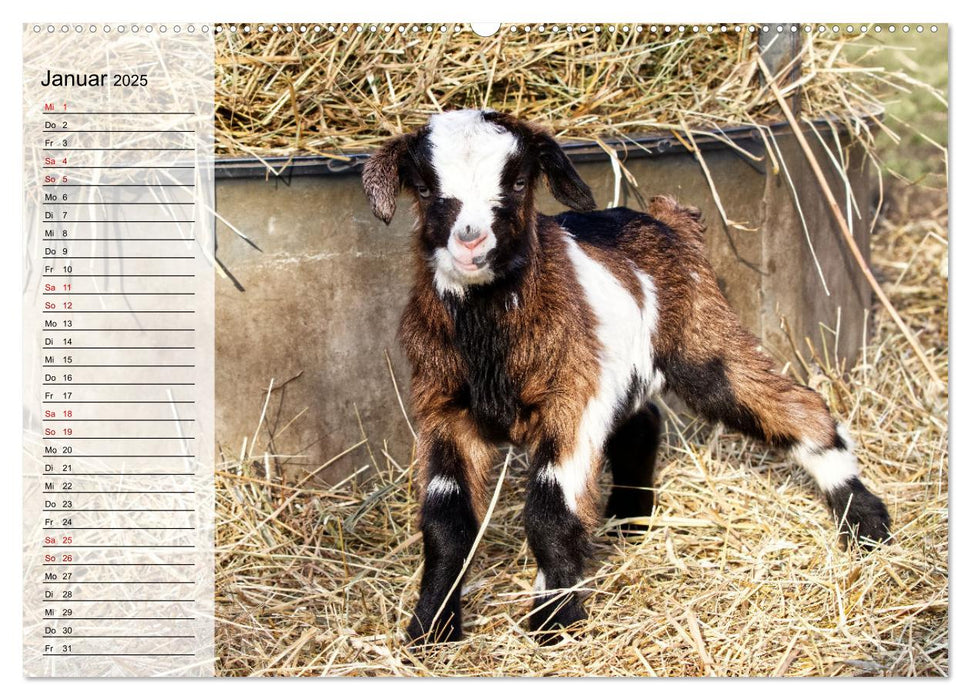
point(916, 114)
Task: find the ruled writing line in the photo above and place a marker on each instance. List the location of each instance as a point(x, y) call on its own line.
point(128, 113)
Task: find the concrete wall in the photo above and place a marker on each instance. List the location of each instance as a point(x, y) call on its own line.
point(321, 303)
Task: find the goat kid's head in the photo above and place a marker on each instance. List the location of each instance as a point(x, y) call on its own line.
point(473, 174)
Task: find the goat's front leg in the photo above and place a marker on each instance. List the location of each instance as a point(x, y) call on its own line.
point(558, 513)
point(451, 490)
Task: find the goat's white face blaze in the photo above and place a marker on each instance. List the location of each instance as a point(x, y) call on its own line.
point(468, 155)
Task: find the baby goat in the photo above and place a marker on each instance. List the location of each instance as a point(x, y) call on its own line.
point(552, 333)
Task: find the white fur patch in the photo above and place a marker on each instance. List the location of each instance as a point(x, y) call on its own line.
point(624, 330)
point(540, 583)
point(831, 468)
point(468, 156)
point(449, 278)
point(442, 486)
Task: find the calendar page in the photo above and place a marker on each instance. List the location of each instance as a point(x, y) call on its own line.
point(609, 349)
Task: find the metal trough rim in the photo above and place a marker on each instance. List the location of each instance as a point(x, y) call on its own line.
point(741, 139)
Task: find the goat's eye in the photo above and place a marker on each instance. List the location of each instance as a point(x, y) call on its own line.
point(519, 185)
point(423, 191)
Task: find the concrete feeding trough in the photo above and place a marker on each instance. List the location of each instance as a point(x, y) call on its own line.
point(312, 303)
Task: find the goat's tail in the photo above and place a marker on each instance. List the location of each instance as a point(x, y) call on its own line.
point(685, 220)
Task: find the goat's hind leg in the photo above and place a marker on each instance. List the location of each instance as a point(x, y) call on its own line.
point(860, 513)
point(740, 388)
point(631, 452)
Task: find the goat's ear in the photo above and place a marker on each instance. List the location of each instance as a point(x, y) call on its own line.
point(382, 177)
point(564, 181)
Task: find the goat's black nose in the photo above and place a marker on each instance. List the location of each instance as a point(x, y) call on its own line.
point(468, 235)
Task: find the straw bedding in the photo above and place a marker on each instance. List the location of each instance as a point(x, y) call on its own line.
point(329, 92)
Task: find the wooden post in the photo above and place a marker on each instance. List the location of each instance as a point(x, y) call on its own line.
point(780, 49)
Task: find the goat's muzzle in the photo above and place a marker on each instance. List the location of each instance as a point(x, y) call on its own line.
point(469, 248)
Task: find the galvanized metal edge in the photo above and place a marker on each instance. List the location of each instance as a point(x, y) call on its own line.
point(742, 139)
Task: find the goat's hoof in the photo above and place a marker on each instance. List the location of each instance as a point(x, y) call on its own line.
point(622, 505)
point(549, 622)
point(423, 632)
point(862, 516)
point(870, 529)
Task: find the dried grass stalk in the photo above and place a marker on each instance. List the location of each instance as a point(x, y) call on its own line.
point(326, 92)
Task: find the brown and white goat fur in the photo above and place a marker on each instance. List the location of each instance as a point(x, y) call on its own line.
point(552, 333)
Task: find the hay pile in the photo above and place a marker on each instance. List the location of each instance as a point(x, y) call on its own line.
point(340, 89)
point(741, 573)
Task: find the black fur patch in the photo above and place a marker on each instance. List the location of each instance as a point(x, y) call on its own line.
point(483, 341)
point(860, 514)
point(706, 389)
point(449, 527)
point(564, 182)
point(601, 228)
point(560, 545)
point(606, 228)
point(635, 390)
point(838, 442)
point(631, 453)
point(440, 215)
point(415, 167)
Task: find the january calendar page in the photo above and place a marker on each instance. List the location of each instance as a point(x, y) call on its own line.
point(524, 349)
